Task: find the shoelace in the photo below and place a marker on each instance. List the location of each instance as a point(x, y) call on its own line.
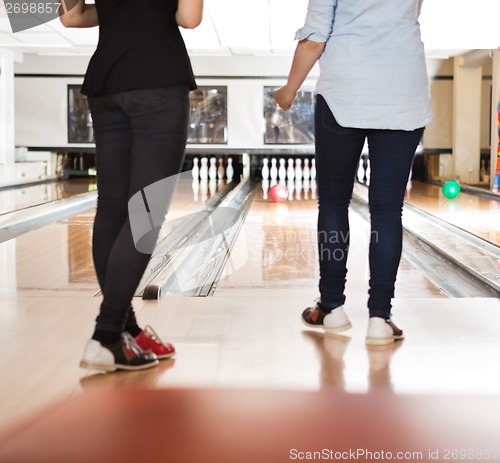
point(130, 343)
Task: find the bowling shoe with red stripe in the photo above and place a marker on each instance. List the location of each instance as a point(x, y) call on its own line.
point(123, 355)
point(147, 339)
point(333, 321)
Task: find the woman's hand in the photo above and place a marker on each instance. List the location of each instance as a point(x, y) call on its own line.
point(77, 13)
point(285, 97)
point(306, 54)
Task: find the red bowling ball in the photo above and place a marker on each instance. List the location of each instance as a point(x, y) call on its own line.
point(278, 193)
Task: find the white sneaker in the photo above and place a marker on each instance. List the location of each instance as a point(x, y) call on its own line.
point(334, 322)
point(381, 332)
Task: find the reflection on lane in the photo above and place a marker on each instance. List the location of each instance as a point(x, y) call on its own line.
point(58, 257)
point(22, 197)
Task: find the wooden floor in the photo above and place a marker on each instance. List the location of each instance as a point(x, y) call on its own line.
point(249, 425)
point(248, 336)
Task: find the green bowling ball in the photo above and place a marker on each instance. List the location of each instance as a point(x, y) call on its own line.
point(451, 189)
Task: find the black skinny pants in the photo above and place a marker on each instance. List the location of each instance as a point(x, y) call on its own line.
point(140, 139)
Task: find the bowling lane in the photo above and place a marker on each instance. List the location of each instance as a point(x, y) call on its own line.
point(473, 213)
point(58, 258)
point(276, 249)
point(21, 197)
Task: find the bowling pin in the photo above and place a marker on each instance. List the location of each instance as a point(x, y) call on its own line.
point(305, 186)
point(265, 188)
point(204, 169)
point(204, 189)
point(273, 171)
point(265, 169)
point(220, 169)
point(290, 186)
point(195, 172)
point(282, 170)
point(229, 169)
point(195, 185)
point(409, 185)
point(306, 171)
point(360, 173)
point(408, 189)
point(212, 186)
point(314, 187)
point(212, 170)
point(298, 189)
point(298, 169)
point(245, 161)
point(368, 171)
point(313, 169)
point(290, 172)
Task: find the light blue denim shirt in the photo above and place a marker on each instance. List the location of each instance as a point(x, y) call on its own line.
point(372, 71)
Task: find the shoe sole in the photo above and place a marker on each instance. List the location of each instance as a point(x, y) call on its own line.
point(383, 341)
point(166, 356)
point(114, 367)
point(329, 329)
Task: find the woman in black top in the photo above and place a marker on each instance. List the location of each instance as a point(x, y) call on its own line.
point(137, 84)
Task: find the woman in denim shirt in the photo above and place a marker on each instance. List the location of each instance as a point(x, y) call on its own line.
point(373, 86)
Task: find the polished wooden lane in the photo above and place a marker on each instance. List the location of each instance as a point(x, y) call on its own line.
point(459, 262)
point(478, 215)
point(277, 249)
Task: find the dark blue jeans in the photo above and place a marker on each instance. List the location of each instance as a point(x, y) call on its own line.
point(140, 139)
point(338, 150)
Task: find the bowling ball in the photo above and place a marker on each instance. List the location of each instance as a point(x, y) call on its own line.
point(451, 189)
point(278, 193)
